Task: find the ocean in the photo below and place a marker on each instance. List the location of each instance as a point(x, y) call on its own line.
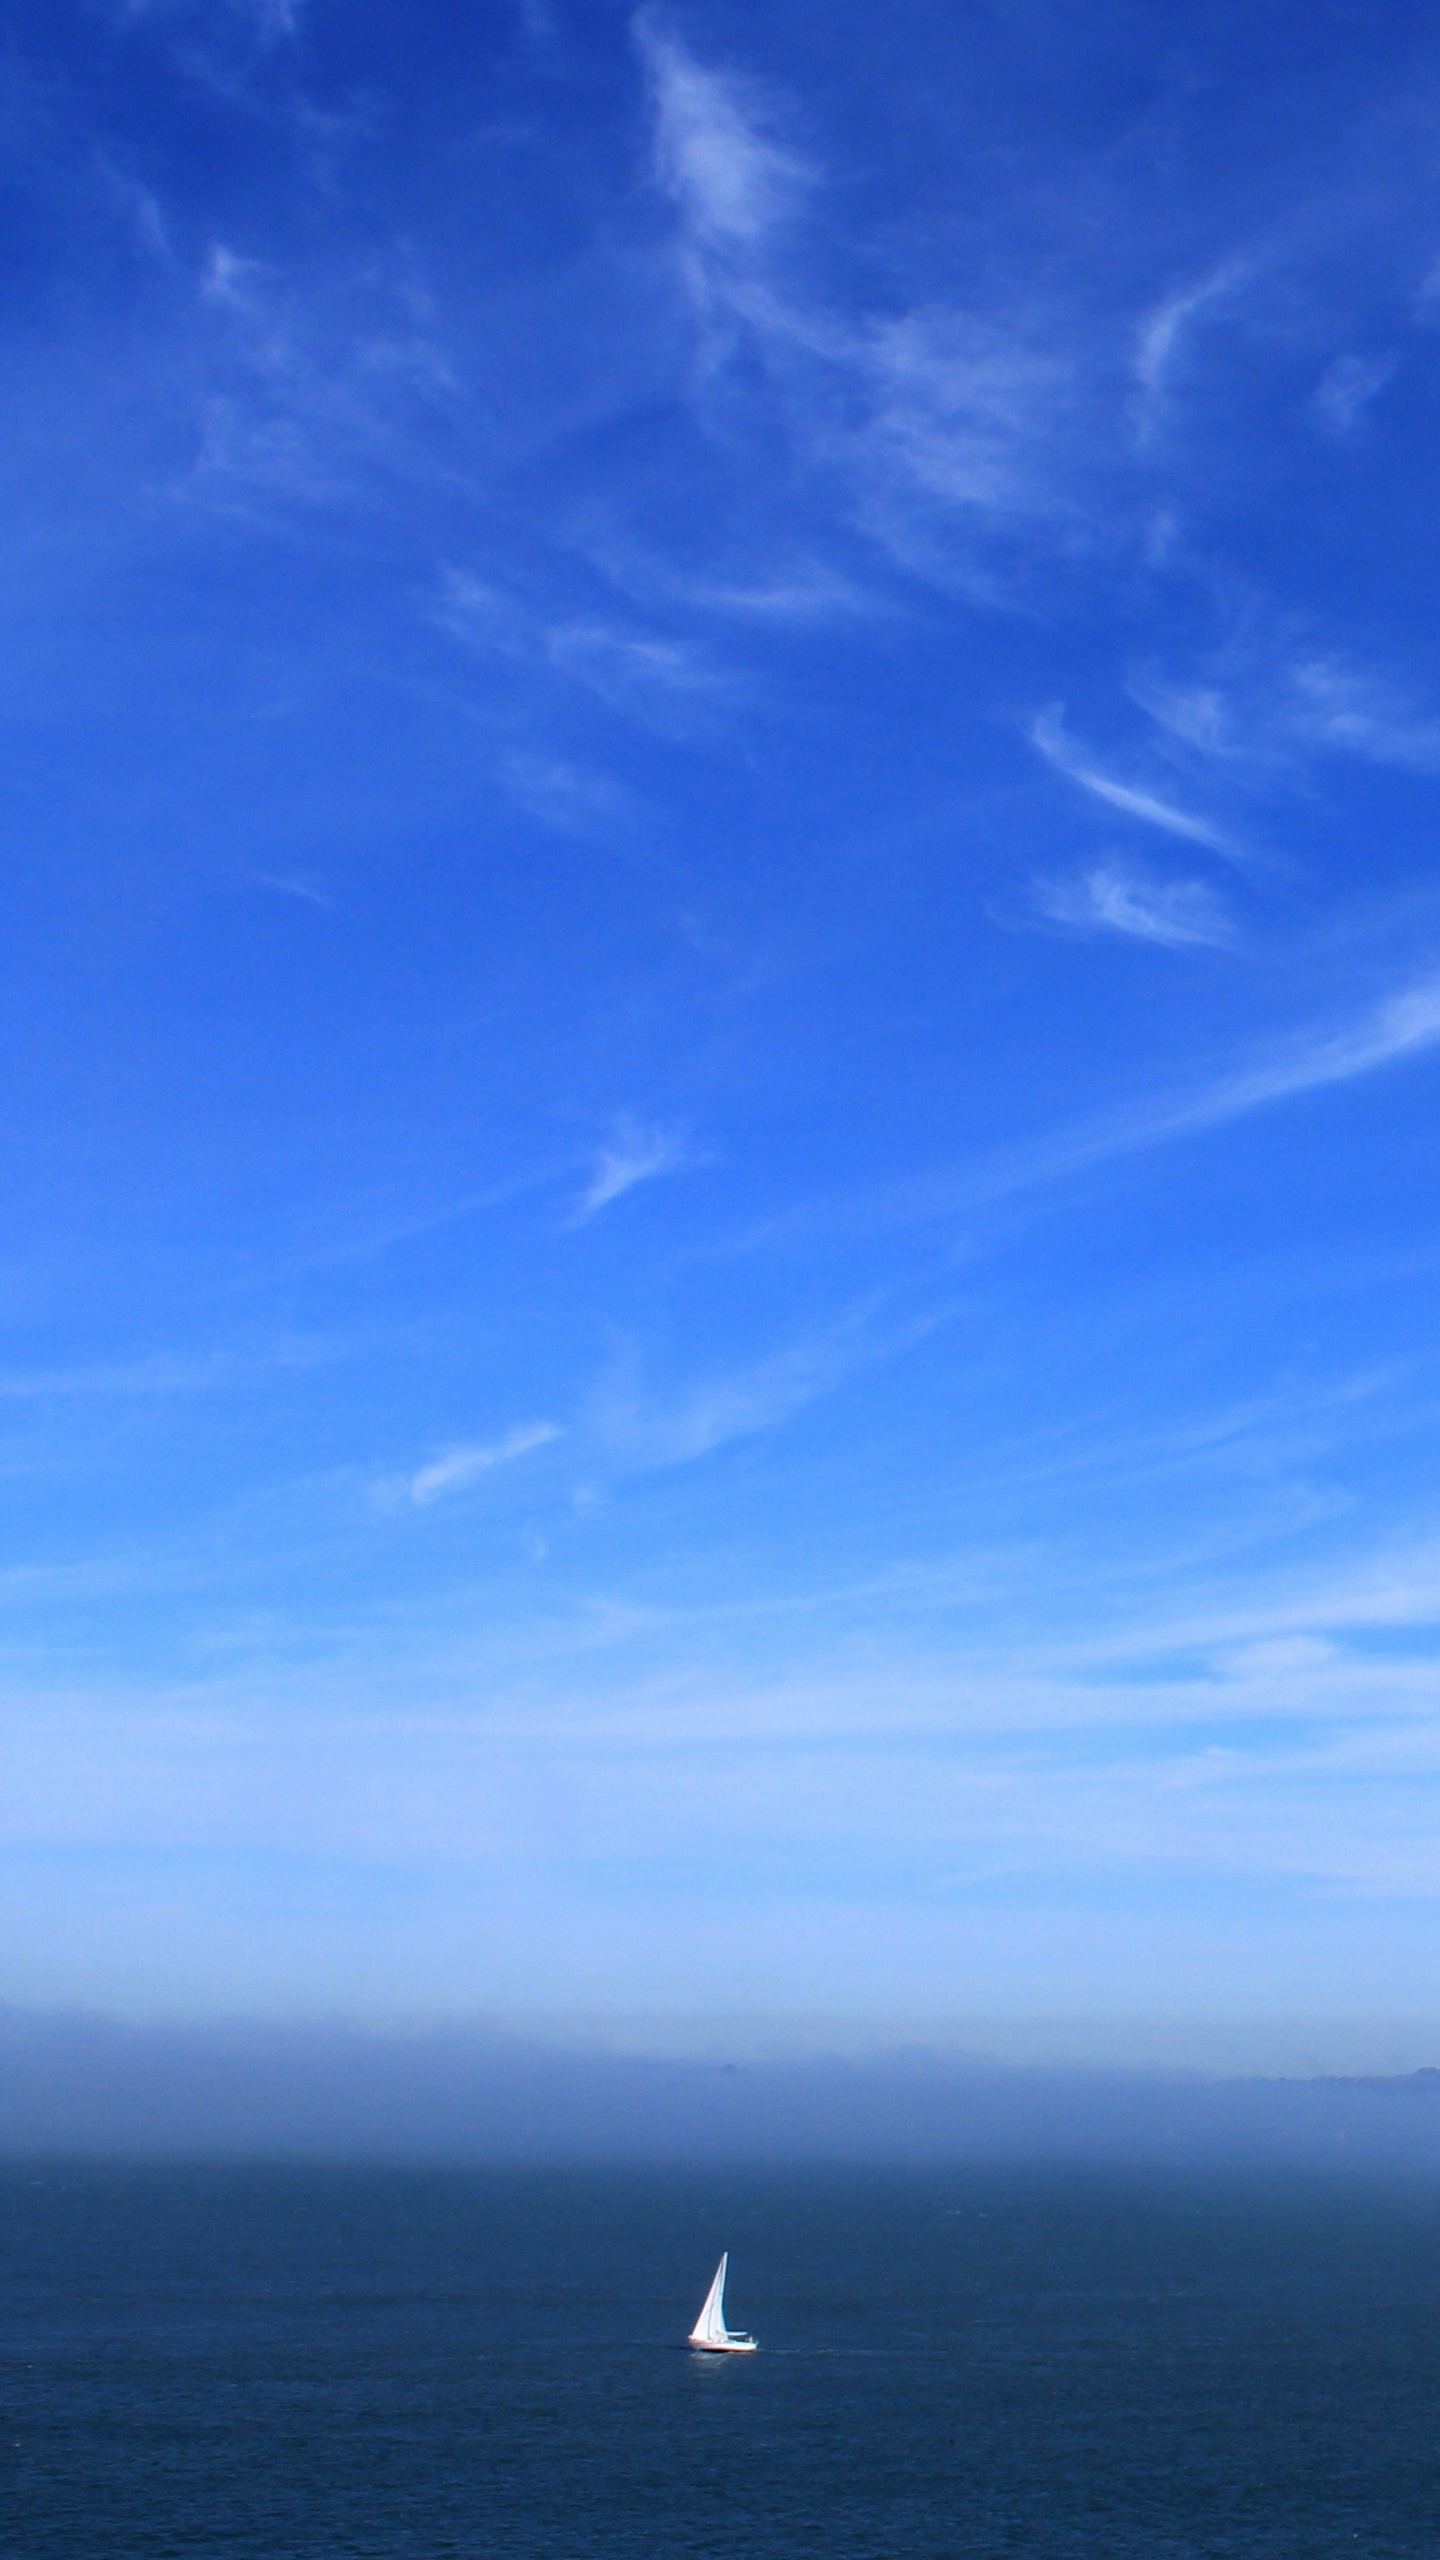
point(272, 2363)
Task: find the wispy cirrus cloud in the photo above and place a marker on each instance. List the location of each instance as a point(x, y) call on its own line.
point(1115, 898)
point(1355, 712)
point(796, 585)
point(309, 398)
point(1135, 800)
point(295, 885)
point(1347, 387)
point(455, 1470)
point(235, 283)
point(1404, 1025)
point(643, 1432)
point(573, 799)
point(1303, 288)
point(483, 615)
point(668, 684)
point(642, 1429)
point(1268, 705)
point(985, 437)
point(634, 1153)
point(970, 414)
point(270, 20)
point(937, 420)
point(184, 1373)
point(140, 211)
point(1162, 332)
point(731, 181)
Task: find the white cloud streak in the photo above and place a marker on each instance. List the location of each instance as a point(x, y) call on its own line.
point(1347, 388)
point(1404, 1025)
point(740, 1407)
point(667, 685)
point(272, 21)
point(1163, 332)
point(938, 421)
point(1049, 734)
point(456, 1469)
point(966, 412)
point(294, 885)
point(643, 1432)
point(235, 283)
point(731, 183)
point(809, 593)
point(177, 1374)
point(634, 1154)
point(1113, 899)
point(1262, 709)
point(571, 799)
point(1352, 712)
point(310, 398)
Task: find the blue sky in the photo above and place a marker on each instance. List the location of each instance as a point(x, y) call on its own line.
point(722, 1010)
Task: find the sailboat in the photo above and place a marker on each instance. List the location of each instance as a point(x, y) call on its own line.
point(710, 2330)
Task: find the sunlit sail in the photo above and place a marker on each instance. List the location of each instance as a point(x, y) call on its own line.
point(710, 2330)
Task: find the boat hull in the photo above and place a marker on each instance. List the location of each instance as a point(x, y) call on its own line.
point(724, 2346)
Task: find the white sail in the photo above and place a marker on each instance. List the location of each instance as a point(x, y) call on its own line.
point(710, 2330)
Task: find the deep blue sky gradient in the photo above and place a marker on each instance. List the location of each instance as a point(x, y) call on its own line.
point(721, 998)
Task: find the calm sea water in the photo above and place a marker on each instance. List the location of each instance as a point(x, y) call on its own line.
point(304, 2363)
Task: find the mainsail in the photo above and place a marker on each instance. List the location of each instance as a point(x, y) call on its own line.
point(710, 2329)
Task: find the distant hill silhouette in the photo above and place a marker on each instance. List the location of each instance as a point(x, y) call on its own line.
point(91, 2085)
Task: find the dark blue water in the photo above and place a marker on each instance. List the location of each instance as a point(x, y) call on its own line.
point(302, 2363)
